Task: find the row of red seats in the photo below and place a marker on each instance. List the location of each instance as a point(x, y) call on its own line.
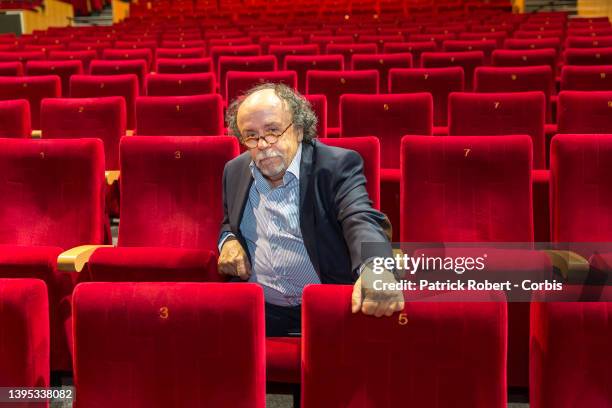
point(181, 244)
point(372, 358)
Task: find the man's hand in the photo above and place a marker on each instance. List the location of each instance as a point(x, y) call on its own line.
point(233, 260)
point(376, 302)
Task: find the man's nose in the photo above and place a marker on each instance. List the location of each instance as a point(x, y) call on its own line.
point(262, 144)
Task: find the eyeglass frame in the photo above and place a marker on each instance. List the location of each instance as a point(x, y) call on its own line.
point(276, 137)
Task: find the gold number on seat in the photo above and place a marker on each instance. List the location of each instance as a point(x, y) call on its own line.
point(466, 152)
point(163, 312)
point(402, 319)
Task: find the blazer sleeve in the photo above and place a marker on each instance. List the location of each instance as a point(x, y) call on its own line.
point(359, 221)
point(225, 224)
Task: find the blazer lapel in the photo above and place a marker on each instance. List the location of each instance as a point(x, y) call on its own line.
point(307, 216)
point(243, 184)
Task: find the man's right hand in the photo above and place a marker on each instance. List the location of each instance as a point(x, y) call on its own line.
point(233, 260)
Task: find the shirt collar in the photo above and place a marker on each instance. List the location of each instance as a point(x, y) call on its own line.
point(292, 171)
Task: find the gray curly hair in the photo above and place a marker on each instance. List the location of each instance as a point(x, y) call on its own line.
point(301, 111)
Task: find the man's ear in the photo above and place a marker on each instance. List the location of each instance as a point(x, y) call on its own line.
point(300, 134)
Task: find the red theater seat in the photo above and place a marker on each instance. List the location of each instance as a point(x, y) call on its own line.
point(183, 44)
point(368, 148)
point(586, 78)
point(532, 43)
point(588, 42)
point(120, 67)
point(232, 51)
point(353, 360)
point(179, 53)
point(195, 115)
point(32, 88)
point(103, 118)
point(468, 60)
point(180, 84)
point(245, 64)
point(415, 48)
point(486, 46)
point(11, 68)
point(348, 50)
point(499, 36)
point(439, 82)
point(178, 182)
point(126, 86)
point(281, 51)
point(56, 204)
point(15, 119)
point(24, 345)
point(301, 64)
point(283, 41)
point(382, 63)
point(63, 69)
point(319, 106)
point(84, 56)
point(22, 56)
point(581, 193)
point(487, 114)
point(333, 84)
point(183, 65)
point(129, 54)
point(209, 345)
point(588, 56)
point(586, 329)
point(521, 58)
point(239, 82)
point(517, 79)
point(584, 112)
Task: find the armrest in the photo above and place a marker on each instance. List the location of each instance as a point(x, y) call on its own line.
point(74, 259)
point(111, 176)
point(36, 134)
point(568, 263)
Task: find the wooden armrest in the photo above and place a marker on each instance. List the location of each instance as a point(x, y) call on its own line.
point(111, 176)
point(74, 259)
point(36, 134)
point(568, 263)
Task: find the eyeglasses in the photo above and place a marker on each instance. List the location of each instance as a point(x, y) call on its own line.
point(269, 137)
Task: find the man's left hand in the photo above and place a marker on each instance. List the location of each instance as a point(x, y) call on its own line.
point(376, 302)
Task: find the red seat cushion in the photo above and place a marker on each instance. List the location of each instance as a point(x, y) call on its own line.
point(283, 359)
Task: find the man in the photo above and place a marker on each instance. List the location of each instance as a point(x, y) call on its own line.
point(296, 210)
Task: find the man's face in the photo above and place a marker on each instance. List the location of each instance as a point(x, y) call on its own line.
point(262, 113)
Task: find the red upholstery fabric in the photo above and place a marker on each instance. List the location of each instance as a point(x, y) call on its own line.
point(191, 222)
point(189, 344)
point(195, 115)
point(183, 44)
point(368, 148)
point(266, 43)
point(588, 41)
point(584, 112)
point(517, 79)
point(22, 56)
point(588, 56)
point(15, 118)
point(142, 43)
point(355, 361)
point(238, 82)
point(126, 86)
point(183, 65)
point(415, 48)
point(281, 51)
point(179, 53)
point(129, 54)
point(244, 64)
point(24, 339)
point(468, 60)
point(579, 329)
point(382, 63)
point(97, 47)
point(437, 38)
point(466, 189)
point(439, 82)
point(388, 117)
point(334, 84)
point(348, 50)
point(486, 46)
point(580, 188)
point(538, 34)
point(119, 67)
point(500, 114)
point(11, 68)
point(283, 359)
point(301, 64)
point(74, 118)
point(520, 58)
point(586, 78)
point(63, 69)
point(232, 51)
point(319, 106)
point(180, 84)
point(84, 56)
point(68, 177)
point(323, 40)
point(532, 43)
point(33, 89)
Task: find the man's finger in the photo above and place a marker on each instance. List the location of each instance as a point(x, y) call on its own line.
point(356, 297)
point(241, 269)
point(381, 309)
point(391, 309)
point(369, 306)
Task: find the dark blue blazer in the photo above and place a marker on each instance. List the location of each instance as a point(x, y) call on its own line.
point(336, 214)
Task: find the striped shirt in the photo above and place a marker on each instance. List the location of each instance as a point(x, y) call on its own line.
point(271, 227)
